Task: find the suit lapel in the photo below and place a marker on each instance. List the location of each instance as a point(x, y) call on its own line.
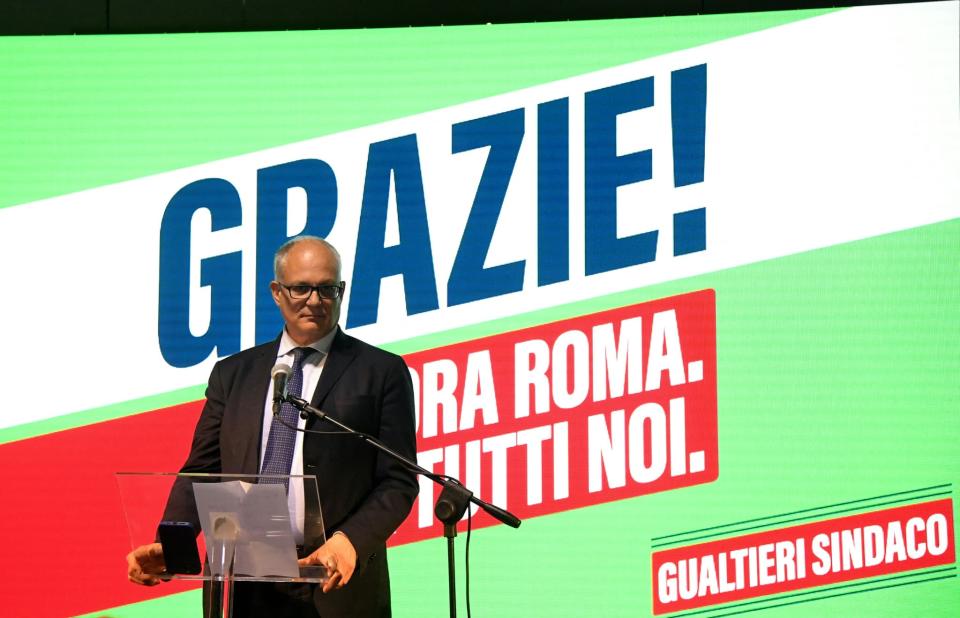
point(342, 354)
point(254, 398)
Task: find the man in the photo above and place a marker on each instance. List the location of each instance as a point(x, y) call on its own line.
point(365, 495)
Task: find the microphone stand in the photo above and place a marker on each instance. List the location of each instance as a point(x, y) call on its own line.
point(451, 505)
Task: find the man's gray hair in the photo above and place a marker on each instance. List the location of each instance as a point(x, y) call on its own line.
point(281, 254)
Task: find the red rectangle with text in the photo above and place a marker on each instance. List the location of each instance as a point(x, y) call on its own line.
point(825, 552)
point(592, 409)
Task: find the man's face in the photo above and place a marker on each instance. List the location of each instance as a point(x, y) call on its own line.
point(307, 263)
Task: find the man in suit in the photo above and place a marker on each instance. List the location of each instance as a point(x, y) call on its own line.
point(365, 495)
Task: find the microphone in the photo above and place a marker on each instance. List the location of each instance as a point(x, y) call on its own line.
point(280, 374)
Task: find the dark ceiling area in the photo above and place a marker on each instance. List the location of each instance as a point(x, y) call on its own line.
point(29, 17)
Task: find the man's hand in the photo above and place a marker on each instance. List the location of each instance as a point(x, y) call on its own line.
point(338, 556)
point(145, 563)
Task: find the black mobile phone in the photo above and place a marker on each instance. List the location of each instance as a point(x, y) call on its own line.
point(179, 542)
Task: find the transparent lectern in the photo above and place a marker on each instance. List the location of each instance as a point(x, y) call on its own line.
point(241, 527)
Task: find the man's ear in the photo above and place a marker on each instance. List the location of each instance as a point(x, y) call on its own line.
point(275, 290)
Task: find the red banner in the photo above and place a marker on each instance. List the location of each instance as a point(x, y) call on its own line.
point(805, 556)
point(592, 409)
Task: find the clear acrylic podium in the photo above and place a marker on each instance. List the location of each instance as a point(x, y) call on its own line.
point(248, 527)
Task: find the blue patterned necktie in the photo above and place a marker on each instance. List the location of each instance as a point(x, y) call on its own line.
point(280, 444)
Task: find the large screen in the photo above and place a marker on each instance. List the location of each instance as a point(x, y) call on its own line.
point(683, 294)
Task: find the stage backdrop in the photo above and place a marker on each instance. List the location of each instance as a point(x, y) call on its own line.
point(681, 293)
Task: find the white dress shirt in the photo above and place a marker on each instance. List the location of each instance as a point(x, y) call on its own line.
point(312, 368)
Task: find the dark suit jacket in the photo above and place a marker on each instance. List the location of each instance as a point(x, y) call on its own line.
point(364, 494)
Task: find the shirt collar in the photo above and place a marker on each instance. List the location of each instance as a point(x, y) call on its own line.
point(287, 344)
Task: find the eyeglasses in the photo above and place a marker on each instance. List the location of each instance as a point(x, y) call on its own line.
point(303, 292)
